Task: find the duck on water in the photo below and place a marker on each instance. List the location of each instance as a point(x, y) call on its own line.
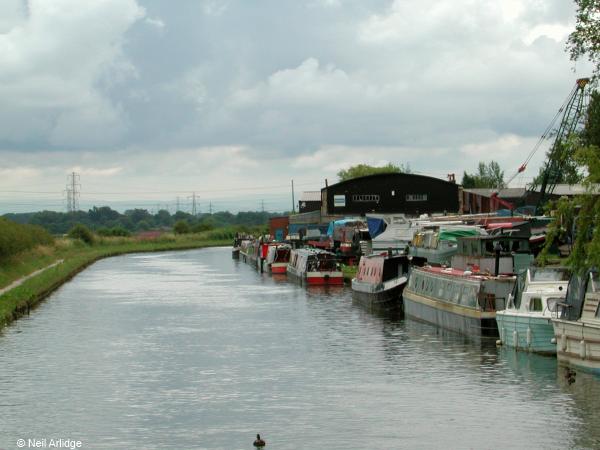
point(259, 442)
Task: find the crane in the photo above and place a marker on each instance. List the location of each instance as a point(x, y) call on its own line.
point(573, 116)
point(573, 112)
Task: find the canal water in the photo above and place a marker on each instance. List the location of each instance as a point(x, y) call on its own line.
point(192, 350)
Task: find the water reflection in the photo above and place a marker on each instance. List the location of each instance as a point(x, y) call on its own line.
point(194, 350)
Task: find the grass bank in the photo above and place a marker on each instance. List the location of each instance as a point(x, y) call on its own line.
point(349, 273)
point(77, 256)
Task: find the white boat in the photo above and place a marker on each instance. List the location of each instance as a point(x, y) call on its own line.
point(526, 323)
point(577, 325)
point(398, 233)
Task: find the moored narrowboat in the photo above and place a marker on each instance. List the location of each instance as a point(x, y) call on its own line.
point(277, 257)
point(315, 267)
point(380, 280)
point(465, 297)
point(457, 300)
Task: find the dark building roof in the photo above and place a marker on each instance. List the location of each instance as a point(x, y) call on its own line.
point(391, 193)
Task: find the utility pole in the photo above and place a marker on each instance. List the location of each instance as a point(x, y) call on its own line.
point(177, 207)
point(293, 201)
point(262, 205)
point(73, 187)
point(194, 210)
point(210, 208)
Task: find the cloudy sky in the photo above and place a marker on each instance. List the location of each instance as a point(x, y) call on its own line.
point(150, 100)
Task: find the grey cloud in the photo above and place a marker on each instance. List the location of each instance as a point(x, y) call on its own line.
point(283, 78)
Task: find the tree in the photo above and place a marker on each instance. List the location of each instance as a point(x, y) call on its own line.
point(362, 170)
point(583, 210)
point(488, 176)
point(163, 217)
point(80, 231)
point(181, 227)
point(580, 215)
point(585, 40)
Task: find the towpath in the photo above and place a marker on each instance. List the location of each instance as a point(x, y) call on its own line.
point(21, 280)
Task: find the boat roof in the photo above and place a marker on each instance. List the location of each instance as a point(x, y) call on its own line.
point(464, 274)
point(496, 237)
point(314, 251)
point(384, 254)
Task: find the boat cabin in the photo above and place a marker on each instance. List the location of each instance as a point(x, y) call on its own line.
point(539, 290)
point(580, 302)
point(381, 268)
point(479, 254)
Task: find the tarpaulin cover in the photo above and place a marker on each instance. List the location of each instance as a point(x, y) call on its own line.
point(452, 235)
point(376, 226)
point(338, 223)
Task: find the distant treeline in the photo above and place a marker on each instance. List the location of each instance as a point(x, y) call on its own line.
point(107, 221)
point(15, 238)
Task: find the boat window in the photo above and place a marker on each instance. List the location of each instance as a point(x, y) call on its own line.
point(457, 292)
point(547, 274)
point(535, 304)
point(471, 297)
point(594, 283)
point(552, 303)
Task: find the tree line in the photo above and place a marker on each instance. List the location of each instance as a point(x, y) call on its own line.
point(106, 221)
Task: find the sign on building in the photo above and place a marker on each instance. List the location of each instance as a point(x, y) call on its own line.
point(339, 201)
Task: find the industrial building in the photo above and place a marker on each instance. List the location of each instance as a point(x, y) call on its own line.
point(309, 201)
point(405, 193)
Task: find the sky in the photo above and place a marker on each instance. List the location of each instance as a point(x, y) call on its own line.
point(151, 100)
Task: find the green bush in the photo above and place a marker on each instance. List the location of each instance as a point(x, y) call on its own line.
point(202, 226)
point(80, 231)
point(114, 231)
point(15, 238)
point(181, 227)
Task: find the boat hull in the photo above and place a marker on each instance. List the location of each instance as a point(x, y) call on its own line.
point(317, 278)
point(378, 300)
point(466, 321)
point(324, 279)
point(278, 267)
point(235, 253)
point(522, 332)
point(578, 344)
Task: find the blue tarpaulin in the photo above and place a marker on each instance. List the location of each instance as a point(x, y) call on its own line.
point(340, 223)
point(376, 226)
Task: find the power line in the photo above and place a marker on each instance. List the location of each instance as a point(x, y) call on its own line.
point(193, 197)
point(72, 191)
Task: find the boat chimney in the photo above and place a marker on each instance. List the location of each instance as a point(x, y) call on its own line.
point(497, 250)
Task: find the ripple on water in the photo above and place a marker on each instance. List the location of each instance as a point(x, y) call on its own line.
point(194, 350)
